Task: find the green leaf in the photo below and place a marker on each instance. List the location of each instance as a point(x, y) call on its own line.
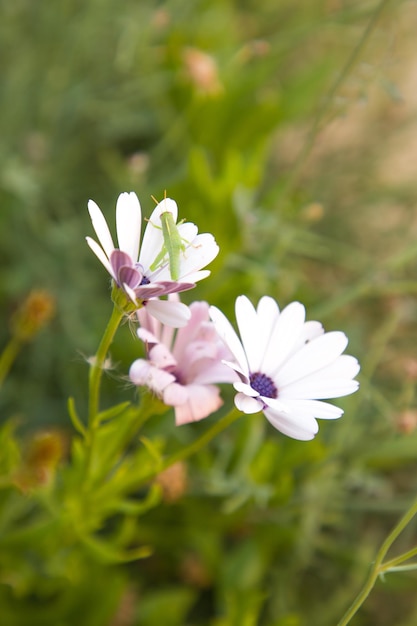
point(76, 421)
point(107, 553)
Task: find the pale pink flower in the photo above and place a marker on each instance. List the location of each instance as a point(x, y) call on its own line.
point(286, 365)
point(183, 366)
point(143, 271)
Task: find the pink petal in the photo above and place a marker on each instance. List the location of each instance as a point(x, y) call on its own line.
point(175, 394)
point(143, 373)
point(161, 356)
point(202, 402)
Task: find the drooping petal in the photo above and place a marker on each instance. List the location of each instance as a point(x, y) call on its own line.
point(246, 404)
point(123, 269)
point(101, 256)
point(128, 224)
point(100, 226)
point(174, 314)
point(292, 428)
point(149, 322)
point(245, 388)
point(129, 276)
point(130, 292)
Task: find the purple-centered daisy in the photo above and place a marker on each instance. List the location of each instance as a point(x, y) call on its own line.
point(143, 272)
point(286, 365)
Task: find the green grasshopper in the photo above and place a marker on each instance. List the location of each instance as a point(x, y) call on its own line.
point(174, 245)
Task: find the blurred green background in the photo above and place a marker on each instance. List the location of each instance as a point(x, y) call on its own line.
point(288, 130)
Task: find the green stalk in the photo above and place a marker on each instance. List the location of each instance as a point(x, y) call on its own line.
point(195, 446)
point(96, 370)
point(379, 567)
point(8, 356)
point(327, 101)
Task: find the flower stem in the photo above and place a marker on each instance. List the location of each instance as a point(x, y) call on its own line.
point(8, 356)
point(195, 446)
point(328, 100)
point(379, 567)
point(96, 370)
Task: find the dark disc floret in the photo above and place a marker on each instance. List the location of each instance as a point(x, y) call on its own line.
point(264, 385)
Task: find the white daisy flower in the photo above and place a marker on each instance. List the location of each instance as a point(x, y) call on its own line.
point(286, 365)
point(143, 272)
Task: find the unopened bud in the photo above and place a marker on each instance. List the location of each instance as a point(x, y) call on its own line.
point(34, 313)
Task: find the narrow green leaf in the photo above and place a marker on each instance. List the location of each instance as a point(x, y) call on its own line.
point(113, 411)
point(109, 554)
point(76, 421)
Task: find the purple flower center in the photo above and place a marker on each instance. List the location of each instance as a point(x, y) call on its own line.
point(144, 281)
point(263, 385)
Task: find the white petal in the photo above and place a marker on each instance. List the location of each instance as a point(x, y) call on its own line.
point(196, 256)
point(315, 355)
point(247, 321)
point(194, 277)
point(285, 334)
point(174, 314)
point(344, 366)
point(276, 404)
point(167, 204)
point(315, 408)
point(235, 367)
point(227, 333)
point(303, 431)
point(319, 389)
point(128, 224)
point(153, 240)
point(100, 226)
point(246, 404)
point(188, 231)
point(246, 389)
point(130, 292)
point(268, 314)
point(100, 255)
